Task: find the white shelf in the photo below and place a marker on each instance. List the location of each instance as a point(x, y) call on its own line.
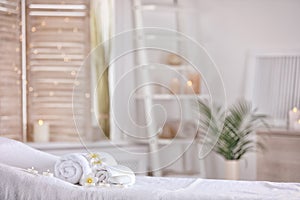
point(169, 67)
point(185, 141)
point(172, 96)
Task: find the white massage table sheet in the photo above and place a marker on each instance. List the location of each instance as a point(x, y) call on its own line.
point(19, 184)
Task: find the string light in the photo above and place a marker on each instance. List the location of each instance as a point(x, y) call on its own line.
point(66, 59)
point(43, 23)
point(75, 30)
point(30, 89)
point(73, 73)
point(33, 29)
point(35, 51)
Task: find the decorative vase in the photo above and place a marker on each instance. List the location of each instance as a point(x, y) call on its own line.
point(232, 169)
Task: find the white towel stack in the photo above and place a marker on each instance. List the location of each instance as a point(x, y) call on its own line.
point(101, 167)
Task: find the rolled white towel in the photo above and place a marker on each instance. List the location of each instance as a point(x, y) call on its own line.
point(121, 175)
point(72, 167)
point(102, 175)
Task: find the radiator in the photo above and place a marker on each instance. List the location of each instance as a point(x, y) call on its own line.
point(276, 85)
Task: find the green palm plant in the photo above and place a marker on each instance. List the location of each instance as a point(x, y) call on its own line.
point(233, 127)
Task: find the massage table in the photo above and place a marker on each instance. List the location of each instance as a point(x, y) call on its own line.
point(17, 183)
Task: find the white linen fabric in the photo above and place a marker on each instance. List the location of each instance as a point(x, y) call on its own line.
point(18, 154)
point(102, 175)
point(18, 184)
point(72, 167)
point(121, 175)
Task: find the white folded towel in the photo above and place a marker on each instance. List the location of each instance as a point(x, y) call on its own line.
point(72, 167)
point(121, 175)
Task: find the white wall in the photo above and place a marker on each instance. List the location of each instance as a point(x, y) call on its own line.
point(230, 30)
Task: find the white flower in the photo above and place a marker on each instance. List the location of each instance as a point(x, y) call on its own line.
point(88, 180)
point(93, 156)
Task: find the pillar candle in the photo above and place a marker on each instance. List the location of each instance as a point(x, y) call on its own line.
point(175, 86)
point(297, 125)
point(195, 78)
point(41, 131)
point(294, 116)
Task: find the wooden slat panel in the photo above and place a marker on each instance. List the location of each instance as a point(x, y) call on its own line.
point(10, 70)
point(58, 38)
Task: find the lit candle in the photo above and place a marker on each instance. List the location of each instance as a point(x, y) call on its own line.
point(41, 132)
point(175, 86)
point(47, 173)
point(195, 78)
point(32, 171)
point(297, 125)
point(294, 115)
point(189, 88)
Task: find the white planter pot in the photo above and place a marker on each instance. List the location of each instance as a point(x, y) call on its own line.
point(232, 169)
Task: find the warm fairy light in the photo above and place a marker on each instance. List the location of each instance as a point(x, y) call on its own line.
point(75, 30)
point(17, 49)
point(43, 23)
point(73, 73)
point(35, 51)
point(189, 83)
point(51, 94)
point(299, 121)
point(33, 29)
point(66, 20)
point(41, 122)
point(30, 89)
point(295, 109)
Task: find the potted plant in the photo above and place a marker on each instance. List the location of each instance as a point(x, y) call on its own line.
point(233, 127)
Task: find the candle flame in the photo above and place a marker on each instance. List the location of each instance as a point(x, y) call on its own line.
point(41, 122)
point(295, 109)
point(189, 83)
